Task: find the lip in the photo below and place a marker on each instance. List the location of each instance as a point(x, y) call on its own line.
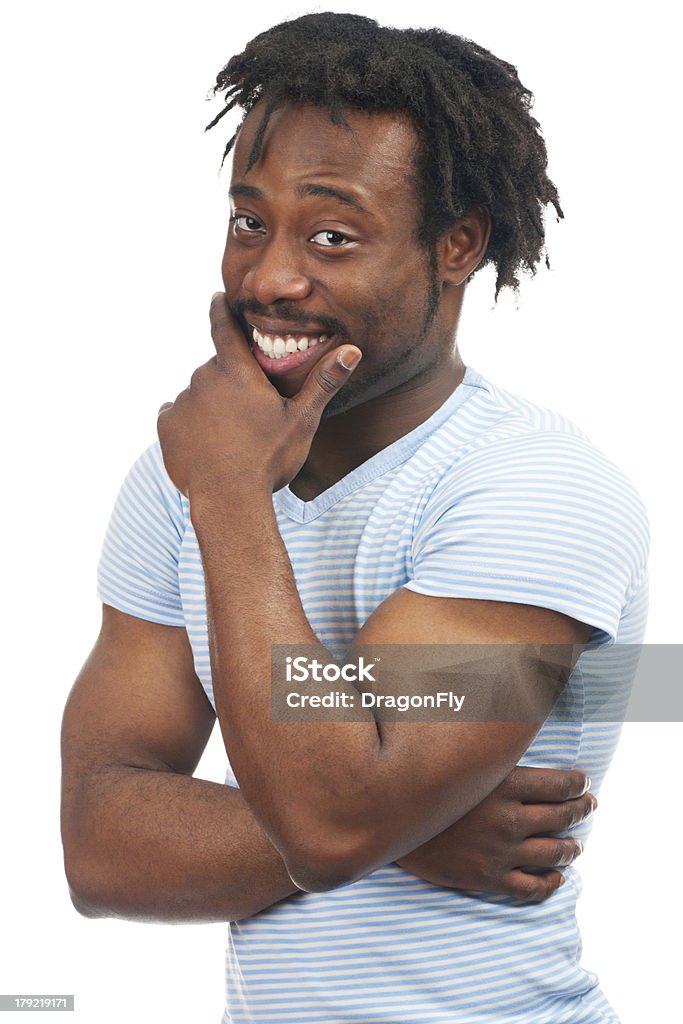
point(284, 327)
point(292, 361)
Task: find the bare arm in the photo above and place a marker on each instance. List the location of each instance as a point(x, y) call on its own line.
point(337, 801)
point(145, 840)
point(142, 838)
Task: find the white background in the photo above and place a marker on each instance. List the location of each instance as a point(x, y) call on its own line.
point(113, 221)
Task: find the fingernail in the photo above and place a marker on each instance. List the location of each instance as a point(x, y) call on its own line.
point(562, 881)
point(587, 786)
point(217, 295)
point(349, 358)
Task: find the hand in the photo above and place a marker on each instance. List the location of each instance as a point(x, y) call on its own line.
point(231, 427)
point(487, 849)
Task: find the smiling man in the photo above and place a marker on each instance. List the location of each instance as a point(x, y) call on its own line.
point(334, 475)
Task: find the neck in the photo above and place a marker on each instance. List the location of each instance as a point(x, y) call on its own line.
point(347, 440)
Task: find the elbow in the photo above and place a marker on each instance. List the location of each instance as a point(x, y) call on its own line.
point(85, 866)
point(315, 875)
point(328, 864)
point(87, 895)
point(85, 906)
point(92, 886)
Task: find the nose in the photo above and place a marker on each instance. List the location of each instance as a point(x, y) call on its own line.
point(275, 274)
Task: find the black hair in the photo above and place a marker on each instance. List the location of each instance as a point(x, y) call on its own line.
point(480, 145)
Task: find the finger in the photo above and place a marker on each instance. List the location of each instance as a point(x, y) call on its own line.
point(325, 379)
point(532, 888)
point(231, 346)
point(546, 785)
point(536, 819)
point(549, 853)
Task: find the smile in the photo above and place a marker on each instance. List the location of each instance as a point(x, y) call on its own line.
point(277, 351)
point(277, 346)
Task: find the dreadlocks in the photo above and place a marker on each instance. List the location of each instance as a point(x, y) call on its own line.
point(480, 146)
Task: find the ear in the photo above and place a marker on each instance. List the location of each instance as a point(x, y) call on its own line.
point(462, 247)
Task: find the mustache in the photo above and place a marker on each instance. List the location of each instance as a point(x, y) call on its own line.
point(327, 324)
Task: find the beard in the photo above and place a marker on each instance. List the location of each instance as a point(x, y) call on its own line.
point(378, 379)
point(382, 379)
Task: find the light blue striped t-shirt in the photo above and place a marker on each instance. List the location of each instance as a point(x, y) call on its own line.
point(491, 498)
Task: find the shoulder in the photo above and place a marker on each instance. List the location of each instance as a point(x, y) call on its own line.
point(148, 493)
point(524, 507)
point(138, 567)
point(518, 451)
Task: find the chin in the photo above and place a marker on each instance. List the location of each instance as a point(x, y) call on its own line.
point(334, 407)
point(354, 394)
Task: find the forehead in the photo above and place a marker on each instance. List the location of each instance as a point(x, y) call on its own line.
point(376, 154)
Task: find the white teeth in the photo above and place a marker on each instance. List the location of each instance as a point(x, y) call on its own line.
point(279, 346)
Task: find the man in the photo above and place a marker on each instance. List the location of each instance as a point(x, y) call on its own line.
point(335, 475)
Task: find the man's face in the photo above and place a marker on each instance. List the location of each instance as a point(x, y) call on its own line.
point(322, 250)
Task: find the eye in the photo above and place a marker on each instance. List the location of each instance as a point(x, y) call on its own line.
point(331, 239)
point(243, 222)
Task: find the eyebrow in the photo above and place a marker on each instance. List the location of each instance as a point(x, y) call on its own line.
point(332, 192)
point(305, 191)
point(248, 191)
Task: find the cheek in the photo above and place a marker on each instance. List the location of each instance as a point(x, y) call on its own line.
point(227, 266)
point(233, 266)
point(395, 309)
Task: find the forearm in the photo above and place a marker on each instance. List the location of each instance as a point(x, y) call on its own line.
point(252, 604)
point(326, 794)
point(159, 846)
point(173, 864)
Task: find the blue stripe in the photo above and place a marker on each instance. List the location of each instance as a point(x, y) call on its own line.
point(491, 498)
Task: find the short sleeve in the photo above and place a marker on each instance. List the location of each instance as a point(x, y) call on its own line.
point(138, 567)
point(542, 519)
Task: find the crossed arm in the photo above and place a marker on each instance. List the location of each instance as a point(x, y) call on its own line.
point(145, 840)
point(322, 806)
point(338, 801)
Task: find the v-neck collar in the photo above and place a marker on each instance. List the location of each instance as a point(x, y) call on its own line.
point(383, 461)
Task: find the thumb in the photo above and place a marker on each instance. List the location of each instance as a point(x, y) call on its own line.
point(326, 378)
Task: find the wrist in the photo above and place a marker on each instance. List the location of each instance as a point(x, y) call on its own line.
point(218, 503)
